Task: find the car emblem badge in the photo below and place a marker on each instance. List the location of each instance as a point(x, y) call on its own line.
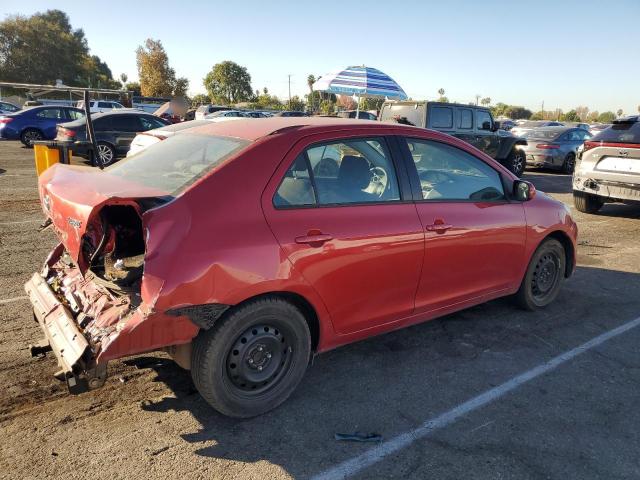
point(624, 153)
point(47, 203)
point(74, 223)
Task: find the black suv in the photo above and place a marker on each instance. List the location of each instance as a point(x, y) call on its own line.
point(470, 123)
point(114, 133)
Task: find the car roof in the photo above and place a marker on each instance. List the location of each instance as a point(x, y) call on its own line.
point(555, 128)
point(255, 128)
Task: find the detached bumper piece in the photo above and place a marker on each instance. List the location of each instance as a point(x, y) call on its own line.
point(64, 338)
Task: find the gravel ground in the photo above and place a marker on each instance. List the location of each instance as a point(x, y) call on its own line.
point(578, 421)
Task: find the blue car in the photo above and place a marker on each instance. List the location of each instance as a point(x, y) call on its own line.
point(36, 123)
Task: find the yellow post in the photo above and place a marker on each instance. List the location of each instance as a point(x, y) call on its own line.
point(45, 157)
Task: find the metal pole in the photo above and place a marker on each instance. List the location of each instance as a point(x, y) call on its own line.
point(95, 156)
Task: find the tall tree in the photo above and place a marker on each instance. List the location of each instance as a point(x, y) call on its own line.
point(311, 79)
point(180, 87)
point(486, 101)
point(228, 83)
point(157, 78)
point(619, 112)
point(44, 47)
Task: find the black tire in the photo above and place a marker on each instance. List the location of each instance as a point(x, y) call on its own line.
point(30, 135)
point(569, 164)
point(253, 358)
point(106, 152)
point(544, 276)
point(586, 202)
point(516, 162)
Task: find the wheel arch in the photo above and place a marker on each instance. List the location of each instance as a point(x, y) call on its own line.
point(569, 249)
point(507, 145)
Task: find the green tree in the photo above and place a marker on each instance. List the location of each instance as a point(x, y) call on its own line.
point(180, 87)
point(200, 99)
point(327, 107)
point(571, 116)
point(133, 87)
point(44, 47)
point(486, 101)
point(297, 104)
point(593, 116)
point(228, 83)
point(371, 103)
point(606, 117)
point(310, 81)
point(517, 112)
point(157, 78)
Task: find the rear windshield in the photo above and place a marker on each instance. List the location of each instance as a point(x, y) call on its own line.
point(405, 114)
point(542, 134)
point(177, 162)
point(619, 133)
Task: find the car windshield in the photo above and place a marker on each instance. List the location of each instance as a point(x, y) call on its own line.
point(177, 162)
point(619, 133)
point(542, 134)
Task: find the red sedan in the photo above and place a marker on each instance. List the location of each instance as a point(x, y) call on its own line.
point(244, 248)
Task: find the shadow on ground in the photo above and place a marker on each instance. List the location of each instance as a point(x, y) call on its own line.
point(394, 382)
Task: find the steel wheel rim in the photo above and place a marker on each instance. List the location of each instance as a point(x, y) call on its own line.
point(106, 154)
point(545, 276)
point(259, 358)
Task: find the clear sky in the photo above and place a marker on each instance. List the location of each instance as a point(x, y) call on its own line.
point(563, 52)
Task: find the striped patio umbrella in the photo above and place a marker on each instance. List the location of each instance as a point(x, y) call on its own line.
point(360, 82)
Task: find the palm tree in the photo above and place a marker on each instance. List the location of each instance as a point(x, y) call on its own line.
point(478, 98)
point(441, 92)
point(310, 81)
point(486, 101)
point(619, 112)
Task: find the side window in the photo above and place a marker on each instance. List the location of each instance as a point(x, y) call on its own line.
point(51, 113)
point(102, 124)
point(149, 123)
point(442, 117)
point(466, 119)
point(104, 104)
point(483, 120)
point(296, 190)
point(450, 174)
point(340, 173)
point(126, 123)
point(75, 114)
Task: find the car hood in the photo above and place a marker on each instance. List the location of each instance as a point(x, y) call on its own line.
point(72, 197)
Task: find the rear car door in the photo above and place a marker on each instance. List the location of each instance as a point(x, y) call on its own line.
point(125, 128)
point(486, 138)
point(464, 125)
point(474, 235)
point(48, 118)
point(339, 209)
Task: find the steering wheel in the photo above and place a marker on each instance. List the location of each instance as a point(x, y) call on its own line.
point(379, 181)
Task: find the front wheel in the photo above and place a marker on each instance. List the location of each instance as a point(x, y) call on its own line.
point(586, 202)
point(545, 274)
point(106, 152)
point(569, 164)
point(253, 359)
point(516, 162)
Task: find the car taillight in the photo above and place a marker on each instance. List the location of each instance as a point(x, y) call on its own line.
point(66, 132)
point(547, 146)
point(6, 120)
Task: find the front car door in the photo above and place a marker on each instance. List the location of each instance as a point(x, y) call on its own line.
point(486, 138)
point(125, 129)
point(47, 120)
point(339, 209)
point(475, 235)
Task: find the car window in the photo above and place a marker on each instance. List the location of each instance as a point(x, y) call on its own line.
point(102, 124)
point(51, 113)
point(483, 120)
point(8, 107)
point(340, 173)
point(104, 105)
point(623, 132)
point(126, 123)
point(149, 123)
point(466, 118)
point(442, 117)
point(75, 114)
point(449, 173)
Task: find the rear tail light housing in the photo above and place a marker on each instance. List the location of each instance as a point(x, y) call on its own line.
point(65, 132)
point(547, 146)
point(5, 120)
point(589, 144)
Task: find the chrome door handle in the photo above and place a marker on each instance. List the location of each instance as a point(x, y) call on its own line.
point(318, 238)
point(438, 227)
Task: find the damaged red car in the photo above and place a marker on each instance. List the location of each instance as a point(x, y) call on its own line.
point(245, 248)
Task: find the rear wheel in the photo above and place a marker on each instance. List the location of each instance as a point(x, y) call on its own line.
point(106, 152)
point(30, 135)
point(569, 163)
point(545, 274)
point(516, 161)
point(253, 359)
point(586, 202)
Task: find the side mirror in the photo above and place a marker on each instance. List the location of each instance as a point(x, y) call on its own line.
point(523, 191)
point(486, 125)
point(496, 126)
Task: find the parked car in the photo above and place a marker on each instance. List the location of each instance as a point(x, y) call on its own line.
point(598, 127)
point(507, 124)
point(584, 126)
point(99, 106)
point(145, 139)
point(473, 124)
point(529, 125)
point(255, 114)
point(364, 115)
point(266, 242)
point(554, 147)
point(608, 167)
point(36, 123)
point(291, 113)
point(114, 133)
point(227, 113)
point(6, 107)
point(204, 110)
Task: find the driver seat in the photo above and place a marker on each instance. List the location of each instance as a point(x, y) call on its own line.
point(354, 176)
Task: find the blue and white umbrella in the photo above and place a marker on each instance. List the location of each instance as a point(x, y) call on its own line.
point(360, 82)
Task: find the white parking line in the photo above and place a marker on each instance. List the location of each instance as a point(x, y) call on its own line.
point(14, 299)
point(376, 454)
